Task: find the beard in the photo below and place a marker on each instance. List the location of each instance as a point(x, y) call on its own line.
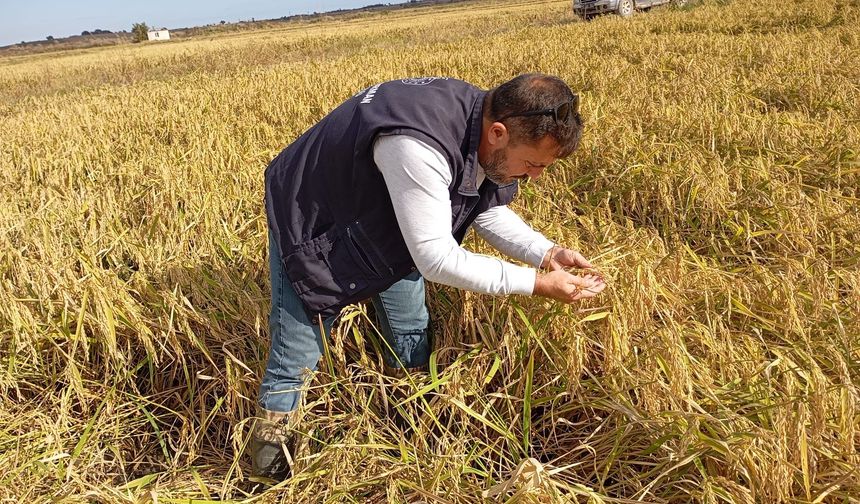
point(494, 169)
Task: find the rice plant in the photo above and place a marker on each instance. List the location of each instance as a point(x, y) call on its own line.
point(716, 188)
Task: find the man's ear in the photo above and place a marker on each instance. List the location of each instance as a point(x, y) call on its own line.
point(498, 135)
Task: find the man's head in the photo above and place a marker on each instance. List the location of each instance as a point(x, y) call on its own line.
point(529, 122)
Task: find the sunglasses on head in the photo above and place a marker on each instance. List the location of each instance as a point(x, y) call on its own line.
point(561, 112)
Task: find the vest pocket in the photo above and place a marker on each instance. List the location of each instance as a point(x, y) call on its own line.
point(323, 271)
point(366, 252)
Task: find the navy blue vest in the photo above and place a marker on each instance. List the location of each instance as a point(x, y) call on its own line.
point(327, 203)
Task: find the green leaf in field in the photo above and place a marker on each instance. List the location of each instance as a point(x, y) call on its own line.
point(481, 418)
point(139, 482)
point(497, 361)
point(434, 370)
point(527, 403)
point(88, 430)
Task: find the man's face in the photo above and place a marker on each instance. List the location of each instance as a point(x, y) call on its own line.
point(519, 161)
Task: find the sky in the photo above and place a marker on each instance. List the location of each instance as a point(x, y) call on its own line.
point(30, 20)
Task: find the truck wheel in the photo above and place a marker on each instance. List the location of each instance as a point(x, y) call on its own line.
point(625, 8)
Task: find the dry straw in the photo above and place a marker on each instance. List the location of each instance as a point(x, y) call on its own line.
point(716, 188)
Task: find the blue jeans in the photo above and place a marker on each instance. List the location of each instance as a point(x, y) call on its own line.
point(296, 341)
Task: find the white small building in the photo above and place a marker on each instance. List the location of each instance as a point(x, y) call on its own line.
point(162, 34)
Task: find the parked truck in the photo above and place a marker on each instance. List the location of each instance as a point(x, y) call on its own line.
point(624, 8)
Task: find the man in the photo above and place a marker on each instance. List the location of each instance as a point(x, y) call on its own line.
point(378, 196)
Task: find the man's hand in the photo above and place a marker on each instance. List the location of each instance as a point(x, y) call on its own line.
point(559, 258)
point(562, 286)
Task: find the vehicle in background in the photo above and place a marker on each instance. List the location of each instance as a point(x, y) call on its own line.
point(624, 8)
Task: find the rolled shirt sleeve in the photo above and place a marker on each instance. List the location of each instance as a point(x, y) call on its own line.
point(502, 228)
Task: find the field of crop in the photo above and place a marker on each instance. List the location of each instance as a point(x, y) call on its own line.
point(717, 187)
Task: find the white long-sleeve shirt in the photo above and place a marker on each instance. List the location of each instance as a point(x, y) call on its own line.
point(418, 177)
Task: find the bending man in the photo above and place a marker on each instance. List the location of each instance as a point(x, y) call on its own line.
point(378, 196)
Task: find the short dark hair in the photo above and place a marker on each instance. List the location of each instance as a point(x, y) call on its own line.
point(535, 91)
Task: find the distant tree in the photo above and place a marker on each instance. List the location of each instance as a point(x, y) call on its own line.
point(85, 33)
point(139, 32)
point(49, 37)
point(223, 22)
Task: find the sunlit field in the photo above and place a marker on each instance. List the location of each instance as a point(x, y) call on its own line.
point(717, 187)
